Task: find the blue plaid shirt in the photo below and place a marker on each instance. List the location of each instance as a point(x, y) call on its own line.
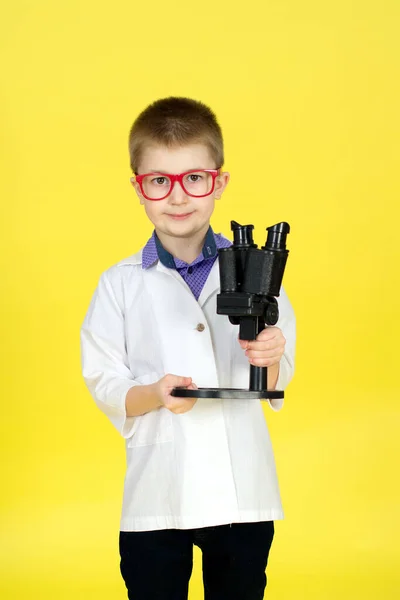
point(194, 274)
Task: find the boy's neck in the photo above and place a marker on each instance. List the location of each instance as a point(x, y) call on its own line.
point(186, 249)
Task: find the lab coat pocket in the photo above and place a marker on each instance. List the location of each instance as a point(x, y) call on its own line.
point(154, 427)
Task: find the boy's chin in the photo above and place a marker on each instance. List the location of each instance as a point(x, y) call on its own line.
point(183, 229)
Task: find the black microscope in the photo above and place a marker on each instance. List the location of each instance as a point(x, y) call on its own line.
point(250, 281)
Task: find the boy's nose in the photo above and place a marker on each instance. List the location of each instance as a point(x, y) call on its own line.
point(178, 194)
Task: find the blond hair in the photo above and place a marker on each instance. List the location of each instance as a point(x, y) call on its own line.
point(172, 122)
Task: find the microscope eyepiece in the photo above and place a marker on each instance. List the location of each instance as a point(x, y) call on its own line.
point(242, 235)
point(276, 239)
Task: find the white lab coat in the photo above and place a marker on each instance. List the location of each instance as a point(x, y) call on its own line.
point(214, 464)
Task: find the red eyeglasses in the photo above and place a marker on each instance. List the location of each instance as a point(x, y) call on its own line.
point(198, 183)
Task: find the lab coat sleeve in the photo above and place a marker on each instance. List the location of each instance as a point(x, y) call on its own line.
point(104, 359)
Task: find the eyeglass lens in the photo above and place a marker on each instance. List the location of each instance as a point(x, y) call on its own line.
point(194, 184)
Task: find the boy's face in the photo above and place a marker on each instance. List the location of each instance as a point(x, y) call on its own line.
point(179, 215)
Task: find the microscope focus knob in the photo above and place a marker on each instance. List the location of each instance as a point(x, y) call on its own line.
point(271, 314)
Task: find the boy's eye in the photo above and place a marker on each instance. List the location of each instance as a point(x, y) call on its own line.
point(159, 180)
point(194, 178)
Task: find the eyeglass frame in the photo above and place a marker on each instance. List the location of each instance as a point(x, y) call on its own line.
point(174, 179)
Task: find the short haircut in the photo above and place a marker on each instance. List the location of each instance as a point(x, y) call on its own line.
point(173, 122)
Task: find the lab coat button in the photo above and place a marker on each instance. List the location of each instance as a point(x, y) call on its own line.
point(200, 327)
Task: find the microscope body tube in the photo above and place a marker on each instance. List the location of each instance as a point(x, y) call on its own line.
point(264, 271)
point(227, 269)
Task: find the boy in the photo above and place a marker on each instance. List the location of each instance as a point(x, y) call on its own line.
point(198, 472)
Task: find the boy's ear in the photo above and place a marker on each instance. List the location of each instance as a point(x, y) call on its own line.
point(136, 187)
point(221, 183)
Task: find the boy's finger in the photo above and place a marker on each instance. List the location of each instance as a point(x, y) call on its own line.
point(264, 362)
point(177, 381)
point(265, 345)
point(265, 354)
point(269, 333)
point(192, 386)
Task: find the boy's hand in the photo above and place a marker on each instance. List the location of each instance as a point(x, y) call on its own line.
point(164, 387)
point(267, 349)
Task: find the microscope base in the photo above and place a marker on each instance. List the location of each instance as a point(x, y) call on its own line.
point(228, 393)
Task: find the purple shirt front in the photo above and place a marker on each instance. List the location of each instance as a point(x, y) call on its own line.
point(194, 274)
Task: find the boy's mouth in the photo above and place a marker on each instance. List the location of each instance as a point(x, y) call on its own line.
point(180, 217)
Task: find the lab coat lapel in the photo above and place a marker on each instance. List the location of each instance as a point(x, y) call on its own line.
point(177, 313)
point(172, 273)
point(211, 286)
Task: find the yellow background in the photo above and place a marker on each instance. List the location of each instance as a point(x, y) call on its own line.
point(307, 94)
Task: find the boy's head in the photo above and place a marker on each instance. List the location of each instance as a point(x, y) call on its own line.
point(171, 137)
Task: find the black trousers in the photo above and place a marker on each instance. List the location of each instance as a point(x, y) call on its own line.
point(157, 565)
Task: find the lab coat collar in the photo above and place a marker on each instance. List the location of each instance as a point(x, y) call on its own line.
point(210, 287)
point(134, 259)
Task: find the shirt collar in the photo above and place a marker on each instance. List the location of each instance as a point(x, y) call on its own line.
point(154, 251)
